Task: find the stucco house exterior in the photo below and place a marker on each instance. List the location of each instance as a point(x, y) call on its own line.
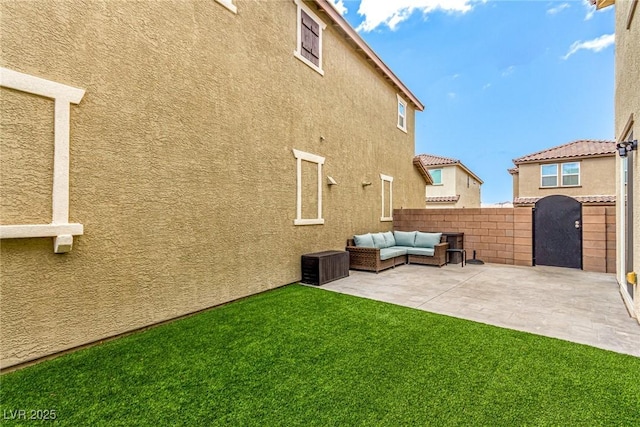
point(453, 184)
point(627, 115)
point(162, 158)
point(582, 169)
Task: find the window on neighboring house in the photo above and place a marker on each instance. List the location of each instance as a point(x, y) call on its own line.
point(570, 174)
point(436, 175)
point(309, 44)
point(387, 198)
point(402, 114)
point(549, 174)
point(308, 188)
point(229, 5)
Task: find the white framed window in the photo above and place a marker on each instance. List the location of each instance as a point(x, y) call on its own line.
point(549, 175)
point(301, 157)
point(387, 198)
point(229, 5)
point(63, 96)
point(570, 174)
point(436, 176)
point(309, 37)
point(402, 114)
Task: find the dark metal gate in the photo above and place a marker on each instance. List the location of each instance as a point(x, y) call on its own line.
point(557, 232)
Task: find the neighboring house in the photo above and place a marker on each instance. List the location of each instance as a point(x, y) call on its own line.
point(453, 184)
point(193, 151)
point(584, 170)
point(627, 130)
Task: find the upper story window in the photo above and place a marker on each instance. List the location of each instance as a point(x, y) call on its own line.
point(436, 175)
point(402, 114)
point(229, 5)
point(569, 174)
point(309, 43)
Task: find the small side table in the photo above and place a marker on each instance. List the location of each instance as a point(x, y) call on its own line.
point(462, 252)
point(323, 267)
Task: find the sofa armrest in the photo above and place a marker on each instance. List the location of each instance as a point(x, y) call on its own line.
point(441, 248)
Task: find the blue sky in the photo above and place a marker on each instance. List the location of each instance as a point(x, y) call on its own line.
point(499, 79)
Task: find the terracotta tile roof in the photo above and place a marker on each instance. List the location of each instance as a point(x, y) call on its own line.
point(430, 160)
point(442, 199)
point(582, 199)
point(513, 171)
point(575, 149)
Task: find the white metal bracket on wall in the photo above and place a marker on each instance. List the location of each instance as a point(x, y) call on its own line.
point(60, 229)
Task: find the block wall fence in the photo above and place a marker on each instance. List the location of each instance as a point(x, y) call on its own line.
point(505, 235)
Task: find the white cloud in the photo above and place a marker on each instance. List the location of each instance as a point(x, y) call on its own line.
point(339, 6)
point(391, 13)
point(452, 95)
point(591, 9)
point(487, 86)
point(557, 9)
point(508, 71)
point(595, 45)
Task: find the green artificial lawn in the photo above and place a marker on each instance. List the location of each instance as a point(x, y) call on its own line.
point(303, 356)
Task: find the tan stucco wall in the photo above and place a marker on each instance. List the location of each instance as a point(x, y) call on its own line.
point(516, 185)
point(627, 103)
point(468, 189)
point(454, 183)
point(182, 170)
point(597, 177)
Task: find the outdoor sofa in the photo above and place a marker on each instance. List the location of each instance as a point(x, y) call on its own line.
point(379, 251)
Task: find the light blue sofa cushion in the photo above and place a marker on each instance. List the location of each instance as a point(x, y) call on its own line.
point(421, 251)
point(388, 237)
point(388, 253)
point(404, 238)
point(379, 240)
point(364, 240)
point(427, 240)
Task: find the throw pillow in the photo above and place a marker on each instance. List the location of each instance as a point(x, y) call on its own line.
point(388, 237)
point(364, 240)
point(404, 238)
point(379, 241)
point(427, 240)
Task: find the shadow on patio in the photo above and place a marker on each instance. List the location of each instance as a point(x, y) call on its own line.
point(573, 305)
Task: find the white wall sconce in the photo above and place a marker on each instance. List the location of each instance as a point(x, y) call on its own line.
point(331, 181)
point(366, 183)
point(322, 138)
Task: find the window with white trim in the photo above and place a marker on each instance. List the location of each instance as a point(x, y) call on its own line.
point(308, 194)
point(63, 96)
point(570, 174)
point(402, 114)
point(549, 175)
point(387, 198)
point(229, 5)
point(436, 176)
point(309, 37)
point(560, 175)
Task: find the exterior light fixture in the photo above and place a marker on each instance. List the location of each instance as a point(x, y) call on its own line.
point(331, 181)
point(625, 147)
point(364, 184)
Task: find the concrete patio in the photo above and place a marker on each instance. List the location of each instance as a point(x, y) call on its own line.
point(569, 304)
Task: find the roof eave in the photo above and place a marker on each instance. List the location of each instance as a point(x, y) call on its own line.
point(368, 53)
point(600, 4)
point(555, 159)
